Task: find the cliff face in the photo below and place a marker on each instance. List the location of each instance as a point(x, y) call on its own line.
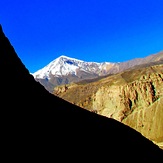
point(133, 97)
point(137, 103)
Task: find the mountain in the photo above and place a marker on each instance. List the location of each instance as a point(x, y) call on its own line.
point(65, 70)
point(133, 97)
point(36, 125)
point(64, 65)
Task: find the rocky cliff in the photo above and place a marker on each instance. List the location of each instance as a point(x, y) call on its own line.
point(133, 97)
point(137, 102)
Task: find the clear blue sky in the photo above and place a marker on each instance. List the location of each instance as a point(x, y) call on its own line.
point(90, 30)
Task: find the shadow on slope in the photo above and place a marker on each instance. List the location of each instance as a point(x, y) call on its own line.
point(38, 125)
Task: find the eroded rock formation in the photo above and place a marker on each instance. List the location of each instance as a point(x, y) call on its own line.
point(133, 97)
point(138, 103)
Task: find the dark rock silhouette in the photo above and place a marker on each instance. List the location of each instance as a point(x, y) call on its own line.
point(37, 125)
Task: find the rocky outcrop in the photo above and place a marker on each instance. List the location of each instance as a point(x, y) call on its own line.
point(133, 97)
point(137, 103)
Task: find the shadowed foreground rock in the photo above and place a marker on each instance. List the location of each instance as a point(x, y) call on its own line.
point(37, 125)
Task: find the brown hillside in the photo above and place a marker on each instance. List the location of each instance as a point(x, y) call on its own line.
point(133, 97)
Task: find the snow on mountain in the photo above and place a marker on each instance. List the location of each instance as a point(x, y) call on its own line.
point(64, 66)
point(65, 70)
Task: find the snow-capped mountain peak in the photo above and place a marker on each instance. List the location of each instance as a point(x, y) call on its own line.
point(63, 66)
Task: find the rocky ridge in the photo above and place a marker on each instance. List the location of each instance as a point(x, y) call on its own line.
point(66, 70)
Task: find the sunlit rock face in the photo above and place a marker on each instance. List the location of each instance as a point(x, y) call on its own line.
point(133, 97)
point(137, 102)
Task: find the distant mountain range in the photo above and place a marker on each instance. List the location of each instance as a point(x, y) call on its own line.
point(65, 70)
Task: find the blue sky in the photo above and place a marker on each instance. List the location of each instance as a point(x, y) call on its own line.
point(90, 30)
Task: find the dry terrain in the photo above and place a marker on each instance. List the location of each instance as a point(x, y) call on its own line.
point(133, 97)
